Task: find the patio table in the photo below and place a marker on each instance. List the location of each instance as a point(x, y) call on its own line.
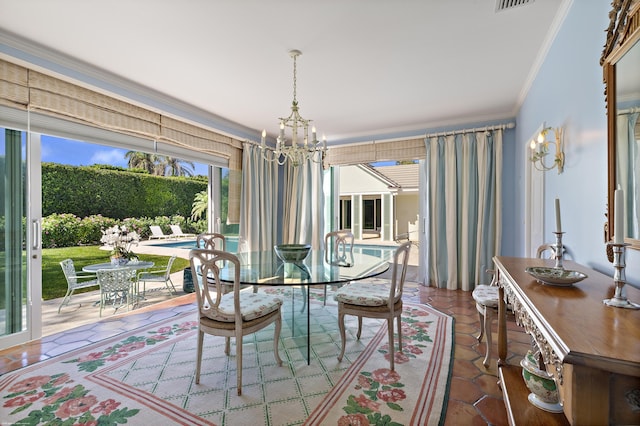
point(131, 265)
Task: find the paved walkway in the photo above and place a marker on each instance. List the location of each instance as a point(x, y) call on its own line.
point(83, 310)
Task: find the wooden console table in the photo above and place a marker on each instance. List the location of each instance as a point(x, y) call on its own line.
point(592, 350)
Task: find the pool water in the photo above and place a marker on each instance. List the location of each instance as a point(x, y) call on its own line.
point(384, 252)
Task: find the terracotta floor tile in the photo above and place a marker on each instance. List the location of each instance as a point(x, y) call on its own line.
point(492, 410)
point(465, 391)
point(460, 413)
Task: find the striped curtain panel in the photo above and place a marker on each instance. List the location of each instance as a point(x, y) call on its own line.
point(303, 198)
point(258, 201)
point(464, 193)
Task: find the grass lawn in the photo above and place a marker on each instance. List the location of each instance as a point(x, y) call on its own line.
point(54, 284)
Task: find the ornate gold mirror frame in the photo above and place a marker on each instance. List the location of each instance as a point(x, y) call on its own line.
point(623, 35)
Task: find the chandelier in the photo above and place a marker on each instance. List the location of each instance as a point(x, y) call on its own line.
point(298, 151)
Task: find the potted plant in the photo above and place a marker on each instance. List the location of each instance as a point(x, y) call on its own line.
point(120, 240)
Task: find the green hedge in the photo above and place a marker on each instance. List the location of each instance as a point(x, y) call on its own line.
point(115, 192)
point(68, 230)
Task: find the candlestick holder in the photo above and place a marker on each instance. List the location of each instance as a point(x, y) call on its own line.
point(619, 299)
point(559, 250)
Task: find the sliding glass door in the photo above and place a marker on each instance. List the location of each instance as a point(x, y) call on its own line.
point(20, 263)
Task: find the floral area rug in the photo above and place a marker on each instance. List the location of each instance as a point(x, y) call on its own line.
point(146, 377)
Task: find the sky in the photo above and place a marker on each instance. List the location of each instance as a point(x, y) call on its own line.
point(75, 153)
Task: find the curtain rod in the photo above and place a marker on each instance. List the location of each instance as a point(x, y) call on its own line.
point(629, 110)
point(510, 125)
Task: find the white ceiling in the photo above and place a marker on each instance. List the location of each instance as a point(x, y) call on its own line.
point(369, 68)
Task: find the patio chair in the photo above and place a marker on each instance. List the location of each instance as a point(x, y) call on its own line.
point(211, 241)
point(75, 280)
point(376, 301)
point(158, 276)
point(117, 287)
point(176, 232)
point(233, 314)
point(156, 233)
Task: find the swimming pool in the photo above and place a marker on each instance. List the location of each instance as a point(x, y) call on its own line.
point(383, 252)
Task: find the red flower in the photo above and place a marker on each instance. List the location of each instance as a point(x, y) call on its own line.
point(385, 376)
point(391, 395)
point(364, 382)
point(30, 383)
point(61, 380)
point(408, 330)
point(91, 357)
point(399, 357)
point(62, 393)
point(365, 402)
point(130, 347)
point(75, 407)
point(412, 349)
point(106, 407)
point(19, 401)
point(164, 330)
point(115, 357)
point(188, 324)
point(353, 420)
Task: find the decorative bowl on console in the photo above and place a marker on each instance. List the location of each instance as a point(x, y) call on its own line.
point(292, 253)
point(544, 391)
point(555, 276)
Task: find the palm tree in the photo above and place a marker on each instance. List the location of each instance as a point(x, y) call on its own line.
point(159, 165)
point(200, 205)
point(141, 160)
point(175, 167)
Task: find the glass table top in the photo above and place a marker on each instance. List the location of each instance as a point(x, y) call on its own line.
point(264, 268)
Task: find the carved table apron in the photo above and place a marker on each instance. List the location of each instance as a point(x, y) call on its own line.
point(593, 350)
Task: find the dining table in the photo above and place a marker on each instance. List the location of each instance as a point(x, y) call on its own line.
point(265, 268)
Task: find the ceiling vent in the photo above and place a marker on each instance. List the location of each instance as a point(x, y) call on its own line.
point(510, 4)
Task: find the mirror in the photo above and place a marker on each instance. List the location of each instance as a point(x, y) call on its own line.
point(621, 66)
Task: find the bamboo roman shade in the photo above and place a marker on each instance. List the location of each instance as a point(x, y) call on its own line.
point(370, 152)
point(14, 91)
point(23, 88)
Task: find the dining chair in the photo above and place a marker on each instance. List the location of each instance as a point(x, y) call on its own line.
point(376, 301)
point(233, 314)
point(117, 286)
point(338, 250)
point(211, 241)
point(75, 280)
point(158, 276)
point(486, 298)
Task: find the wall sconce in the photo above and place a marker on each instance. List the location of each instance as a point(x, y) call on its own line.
point(540, 149)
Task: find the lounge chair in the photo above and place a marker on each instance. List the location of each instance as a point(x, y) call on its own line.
point(176, 232)
point(156, 233)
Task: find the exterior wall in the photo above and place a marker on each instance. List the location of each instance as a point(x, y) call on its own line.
point(406, 211)
point(354, 180)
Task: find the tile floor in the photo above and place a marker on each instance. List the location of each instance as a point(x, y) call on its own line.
point(475, 397)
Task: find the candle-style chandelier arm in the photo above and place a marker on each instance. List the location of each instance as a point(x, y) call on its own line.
point(296, 152)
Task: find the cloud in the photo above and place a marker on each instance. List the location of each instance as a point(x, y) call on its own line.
point(115, 157)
